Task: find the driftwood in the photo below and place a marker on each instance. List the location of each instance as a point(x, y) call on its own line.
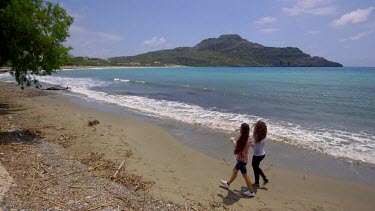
point(57, 88)
point(5, 69)
point(193, 208)
point(81, 187)
point(101, 206)
point(118, 169)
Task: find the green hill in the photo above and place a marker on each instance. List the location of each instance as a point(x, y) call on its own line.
point(86, 61)
point(227, 50)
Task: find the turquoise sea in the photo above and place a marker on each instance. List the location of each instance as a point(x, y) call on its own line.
point(331, 110)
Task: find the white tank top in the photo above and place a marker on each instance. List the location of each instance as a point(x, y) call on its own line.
point(259, 147)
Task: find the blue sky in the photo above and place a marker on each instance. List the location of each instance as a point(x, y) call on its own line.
point(339, 30)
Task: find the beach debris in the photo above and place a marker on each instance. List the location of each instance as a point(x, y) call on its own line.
point(195, 209)
point(94, 122)
point(57, 88)
point(101, 206)
point(64, 137)
point(215, 204)
point(44, 181)
point(47, 178)
point(65, 140)
point(81, 187)
point(118, 169)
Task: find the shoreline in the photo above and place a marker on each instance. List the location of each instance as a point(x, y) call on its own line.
point(144, 117)
point(303, 129)
point(176, 168)
point(73, 67)
point(280, 154)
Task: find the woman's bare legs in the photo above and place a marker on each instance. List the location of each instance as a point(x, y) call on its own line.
point(247, 179)
point(233, 177)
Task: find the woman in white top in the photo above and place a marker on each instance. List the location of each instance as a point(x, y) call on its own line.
point(258, 142)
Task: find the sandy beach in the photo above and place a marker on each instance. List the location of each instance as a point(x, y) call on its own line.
point(181, 174)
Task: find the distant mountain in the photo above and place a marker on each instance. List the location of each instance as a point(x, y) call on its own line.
point(227, 50)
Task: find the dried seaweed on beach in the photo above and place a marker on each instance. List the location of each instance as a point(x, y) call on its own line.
point(93, 122)
point(47, 179)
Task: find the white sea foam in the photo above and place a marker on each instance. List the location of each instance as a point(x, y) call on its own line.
point(357, 146)
point(121, 80)
point(6, 77)
point(127, 80)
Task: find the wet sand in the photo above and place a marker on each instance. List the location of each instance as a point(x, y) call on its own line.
point(214, 143)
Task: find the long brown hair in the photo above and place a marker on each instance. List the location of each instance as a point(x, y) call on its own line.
point(242, 141)
point(260, 131)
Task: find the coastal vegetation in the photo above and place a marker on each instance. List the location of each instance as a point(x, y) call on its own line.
point(87, 61)
point(32, 37)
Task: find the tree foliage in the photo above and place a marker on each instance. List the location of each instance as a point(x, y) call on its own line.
point(32, 33)
point(87, 61)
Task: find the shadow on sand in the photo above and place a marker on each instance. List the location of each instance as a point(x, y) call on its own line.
point(235, 195)
point(5, 109)
point(18, 136)
point(231, 197)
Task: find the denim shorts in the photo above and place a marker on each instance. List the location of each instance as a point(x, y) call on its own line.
point(241, 166)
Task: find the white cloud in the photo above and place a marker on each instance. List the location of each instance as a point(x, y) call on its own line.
point(74, 30)
point(313, 7)
point(356, 37)
point(357, 16)
point(92, 43)
point(267, 19)
point(311, 32)
point(322, 10)
point(268, 30)
point(108, 36)
point(155, 42)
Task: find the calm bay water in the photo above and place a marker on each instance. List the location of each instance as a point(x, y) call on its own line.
point(328, 109)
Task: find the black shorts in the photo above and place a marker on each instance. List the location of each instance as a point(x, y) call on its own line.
point(241, 166)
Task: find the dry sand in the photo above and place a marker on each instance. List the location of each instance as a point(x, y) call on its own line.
point(180, 173)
